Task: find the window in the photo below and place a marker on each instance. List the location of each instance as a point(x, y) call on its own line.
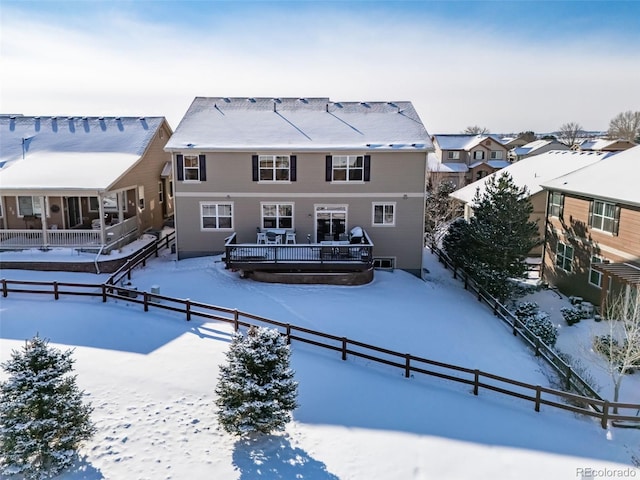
point(216, 216)
point(277, 215)
point(556, 204)
point(595, 277)
point(348, 168)
point(478, 155)
point(161, 192)
point(604, 216)
point(29, 206)
point(274, 168)
point(384, 214)
point(170, 188)
point(384, 263)
point(453, 155)
point(109, 202)
point(141, 197)
point(496, 155)
point(481, 174)
point(564, 256)
point(191, 167)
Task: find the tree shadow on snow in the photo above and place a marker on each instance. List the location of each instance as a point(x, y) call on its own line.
point(81, 470)
point(273, 457)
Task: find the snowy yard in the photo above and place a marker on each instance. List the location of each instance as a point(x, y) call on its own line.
point(151, 378)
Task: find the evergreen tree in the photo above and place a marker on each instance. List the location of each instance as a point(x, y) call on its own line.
point(43, 419)
point(494, 245)
point(256, 391)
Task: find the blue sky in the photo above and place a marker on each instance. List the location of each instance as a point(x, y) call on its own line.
point(506, 65)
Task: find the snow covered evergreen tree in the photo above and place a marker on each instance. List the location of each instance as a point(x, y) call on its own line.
point(256, 390)
point(498, 238)
point(43, 419)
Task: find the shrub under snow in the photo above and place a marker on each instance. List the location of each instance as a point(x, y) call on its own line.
point(537, 322)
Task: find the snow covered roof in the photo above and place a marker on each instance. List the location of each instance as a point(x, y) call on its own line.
point(614, 178)
point(71, 153)
point(462, 141)
point(223, 124)
point(533, 171)
point(434, 165)
point(605, 144)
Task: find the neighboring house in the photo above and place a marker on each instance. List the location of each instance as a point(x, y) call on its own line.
point(536, 148)
point(308, 167)
point(531, 173)
point(605, 145)
point(462, 159)
point(89, 182)
point(593, 227)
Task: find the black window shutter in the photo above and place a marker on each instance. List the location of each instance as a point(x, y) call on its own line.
point(328, 168)
point(254, 167)
point(180, 166)
point(591, 213)
point(202, 161)
point(561, 213)
point(293, 164)
point(367, 168)
point(616, 220)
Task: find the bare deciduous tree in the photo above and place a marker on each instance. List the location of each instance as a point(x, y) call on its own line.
point(476, 130)
point(625, 126)
point(569, 133)
point(621, 347)
point(440, 210)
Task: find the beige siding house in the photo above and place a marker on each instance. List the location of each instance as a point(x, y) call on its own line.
point(593, 227)
point(82, 182)
point(307, 167)
point(463, 159)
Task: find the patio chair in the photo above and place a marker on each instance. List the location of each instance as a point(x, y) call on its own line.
point(290, 237)
point(273, 238)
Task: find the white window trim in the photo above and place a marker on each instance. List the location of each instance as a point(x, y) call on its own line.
point(333, 168)
point(591, 270)
point(383, 204)
point(476, 152)
point(203, 229)
point(161, 192)
point(46, 205)
point(109, 209)
point(453, 155)
point(558, 205)
point(185, 168)
point(496, 155)
point(603, 217)
point(141, 202)
point(293, 213)
point(564, 257)
point(273, 169)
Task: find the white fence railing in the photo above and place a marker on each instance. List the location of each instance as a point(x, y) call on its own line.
point(73, 238)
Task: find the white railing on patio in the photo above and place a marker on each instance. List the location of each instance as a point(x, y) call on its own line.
point(73, 238)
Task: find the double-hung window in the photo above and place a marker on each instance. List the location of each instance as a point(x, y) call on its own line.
point(277, 215)
point(595, 277)
point(29, 206)
point(564, 256)
point(191, 167)
point(453, 155)
point(274, 168)
point(556, 204)
point(478, 155)
point(604, 216)
point(216, 216)
point(384, 214)
point(348, 168)
point(496, 155)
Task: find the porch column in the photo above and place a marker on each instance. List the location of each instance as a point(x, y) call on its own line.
point(43, 221)
point(101, 214)
point(604, 292)
point(120, 204)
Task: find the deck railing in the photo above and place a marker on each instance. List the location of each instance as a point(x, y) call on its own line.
point(71, 238)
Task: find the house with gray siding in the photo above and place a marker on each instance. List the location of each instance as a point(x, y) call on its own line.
point(311, 168)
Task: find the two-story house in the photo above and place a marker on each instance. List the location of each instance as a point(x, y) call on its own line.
point(531, 173)
point(535, 147)
point(462, 159)
point(307, 167)
point(593, 227)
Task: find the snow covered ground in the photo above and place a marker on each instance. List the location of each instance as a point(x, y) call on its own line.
point(151, 378)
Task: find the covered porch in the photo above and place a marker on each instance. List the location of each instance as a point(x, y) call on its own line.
point(92, 221)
